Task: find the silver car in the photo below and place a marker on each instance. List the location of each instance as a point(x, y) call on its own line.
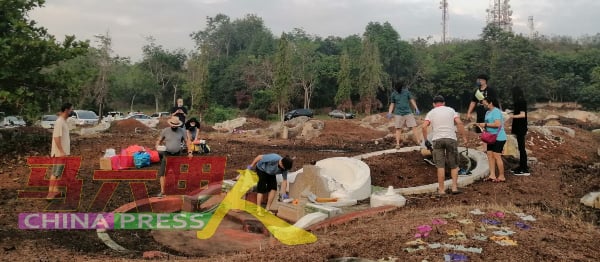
point(48, 121)
point(12, 121)
point(84, 117)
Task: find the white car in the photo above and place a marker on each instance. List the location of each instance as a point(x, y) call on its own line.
point(158, 115)
point(12, 121)
point(84, 117)
point(48, 121)
point(145, 119)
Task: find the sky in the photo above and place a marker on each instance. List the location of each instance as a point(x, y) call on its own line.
point(171, 22)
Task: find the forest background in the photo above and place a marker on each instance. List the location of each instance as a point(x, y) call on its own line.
point(239, 67)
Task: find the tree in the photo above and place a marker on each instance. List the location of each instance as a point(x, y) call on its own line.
point(371, 76)
point(305, 61)
point(25, 49)
point(164, 66)
point(589, 96)
point(105, 65)
point(196, 78)
point(342, 98)
point(282, 77)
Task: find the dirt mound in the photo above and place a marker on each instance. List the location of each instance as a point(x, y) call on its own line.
point(347, 130)
point(162, 123)
point(127, 126)
point(254, 123)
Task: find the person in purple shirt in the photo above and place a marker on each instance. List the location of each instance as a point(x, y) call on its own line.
point(267, 166)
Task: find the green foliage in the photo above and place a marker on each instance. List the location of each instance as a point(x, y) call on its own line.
point(589, 96)
point(371, 76)
point(282, 77)
point(342, 98)
point(261, 102)
point(216, 113)
point(25, 49)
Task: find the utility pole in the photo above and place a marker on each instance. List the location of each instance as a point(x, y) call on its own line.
point(499, 14)
point(445, 18)
point(531, 26)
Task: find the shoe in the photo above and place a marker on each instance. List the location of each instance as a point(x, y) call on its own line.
point(283, 197)
point(160, 195)
point(429, 161)
point(521, 173)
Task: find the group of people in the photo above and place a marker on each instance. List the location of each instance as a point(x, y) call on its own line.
point(443, 120)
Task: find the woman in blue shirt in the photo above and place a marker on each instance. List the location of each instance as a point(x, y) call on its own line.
point(494, 123)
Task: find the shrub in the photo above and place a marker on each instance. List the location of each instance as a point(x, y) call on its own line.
point(217, 113)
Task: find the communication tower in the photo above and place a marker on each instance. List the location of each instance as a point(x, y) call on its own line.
point(445, 17)
point(499, 14)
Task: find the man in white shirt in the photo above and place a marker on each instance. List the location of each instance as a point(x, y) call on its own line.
point(445, 146)
point(61, 146)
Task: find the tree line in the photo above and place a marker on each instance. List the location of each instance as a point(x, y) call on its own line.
point(240, 64)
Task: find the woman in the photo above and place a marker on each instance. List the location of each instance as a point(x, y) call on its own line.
point(192, 129)
point(494, 123)
point(519, 129)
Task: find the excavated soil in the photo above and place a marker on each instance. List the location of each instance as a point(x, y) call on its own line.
point(564, 229)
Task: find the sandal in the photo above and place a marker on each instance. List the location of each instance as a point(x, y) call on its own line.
point(499, 181)
point(489, 179)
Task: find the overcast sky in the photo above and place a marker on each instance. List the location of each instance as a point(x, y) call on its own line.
point(170, 22)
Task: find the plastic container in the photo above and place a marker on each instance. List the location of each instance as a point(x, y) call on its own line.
point(389, 197)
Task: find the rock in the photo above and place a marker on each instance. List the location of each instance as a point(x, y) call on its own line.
point(551, 117)
point(562, 129)
point(583, 116)
point(591, 199)
point(595, 131)
point(511, 147)
point(154, 255)
point(552, 122)
point(312, 129)
point(230, 125)
point(297, 121)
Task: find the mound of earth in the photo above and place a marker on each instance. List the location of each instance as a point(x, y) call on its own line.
point(128, 126)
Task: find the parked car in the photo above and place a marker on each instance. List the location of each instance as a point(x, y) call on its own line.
point(84, 117)
point(144, 119)
point(48, 121)
point(298, 112)
point(161, 115)
point(112, 116)
point(12, 121)
point(341, 114)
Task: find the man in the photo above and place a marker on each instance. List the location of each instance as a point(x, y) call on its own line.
point(400, 106)
point(179, 111)
point(482, 91)
point(267, 166)
point(172, 138)
point(61, 146)
point(445, 146)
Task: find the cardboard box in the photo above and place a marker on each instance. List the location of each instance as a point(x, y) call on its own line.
point(105, 163)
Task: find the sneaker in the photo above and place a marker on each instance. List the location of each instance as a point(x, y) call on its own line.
point(521, 173)
point(285, 196)
point(428, 161)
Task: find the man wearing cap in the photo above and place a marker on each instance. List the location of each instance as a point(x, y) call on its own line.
point(267, 166)
point(482, 91)
point(170, 138)
point(445, 146)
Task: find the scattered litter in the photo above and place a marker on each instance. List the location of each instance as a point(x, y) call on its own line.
point(439, 221)
point(465, 221)
point(525, 217)
point(456, 234)
point(482, 228)
point(415, 242)
point(450, 215)
point(423, 231)
point(435, 245)
point(490, 221)
point(498, 214)
point(522, 225)
point(411, 249)
point(476, 212)
point(503, 240)
point(503, 232)
point(528, 218)
point(480, 237)
point(455, 257)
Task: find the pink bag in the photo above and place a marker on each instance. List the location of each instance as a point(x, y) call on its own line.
point(121, 162)
point(488, 137)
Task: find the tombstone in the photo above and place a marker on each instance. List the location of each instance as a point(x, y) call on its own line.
point(311, 179)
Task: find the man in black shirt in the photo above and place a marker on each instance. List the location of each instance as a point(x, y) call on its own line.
point(482, 91)
point(179, 110)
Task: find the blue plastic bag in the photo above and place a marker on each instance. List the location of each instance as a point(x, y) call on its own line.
point(141, 159)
